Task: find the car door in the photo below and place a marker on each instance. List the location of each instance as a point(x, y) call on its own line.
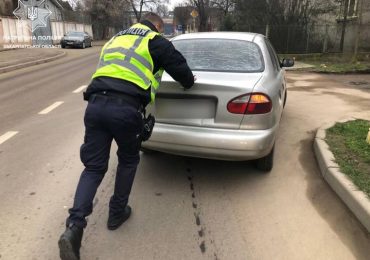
point(87, 39)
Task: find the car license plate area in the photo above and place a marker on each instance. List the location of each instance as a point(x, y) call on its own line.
point(185, 109)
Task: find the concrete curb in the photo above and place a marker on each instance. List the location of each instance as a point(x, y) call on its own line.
point(356, 200)
point(31, 63)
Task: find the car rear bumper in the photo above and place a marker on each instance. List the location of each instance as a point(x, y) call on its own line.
point(212, 143)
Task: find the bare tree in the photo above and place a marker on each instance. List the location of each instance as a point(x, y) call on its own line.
point(225, 5)
point(106, 14)
point(138, 6)
point(113, 14)
point(202, 7)
point(280, 12)
point(162, 10)
point(226, 15)
point(344, 24)
point(182, 15)
point(358, 30)
point(287, 22)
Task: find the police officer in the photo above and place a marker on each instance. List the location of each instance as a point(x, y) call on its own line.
point(128, 75)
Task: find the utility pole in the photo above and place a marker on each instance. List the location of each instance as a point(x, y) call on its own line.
point(358, 33)
point(268, 23)
point(345, 16)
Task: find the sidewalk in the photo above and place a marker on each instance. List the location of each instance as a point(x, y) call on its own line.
point(21, 58)
point(100, 42)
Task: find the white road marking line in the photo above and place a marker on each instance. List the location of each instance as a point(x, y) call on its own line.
point(7, 136)
point(80, 89)
point(50, 108)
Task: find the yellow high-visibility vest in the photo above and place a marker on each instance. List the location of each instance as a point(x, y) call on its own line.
point(126, 56)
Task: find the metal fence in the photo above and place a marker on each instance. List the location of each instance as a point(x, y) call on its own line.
point(315, 38)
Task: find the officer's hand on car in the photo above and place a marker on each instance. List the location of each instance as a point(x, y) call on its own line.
point(195, 79)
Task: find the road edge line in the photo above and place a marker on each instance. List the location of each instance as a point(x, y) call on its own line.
point(50, 108)
point(5, 137)
point(79, 89)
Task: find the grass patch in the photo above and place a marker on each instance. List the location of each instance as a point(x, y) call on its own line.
point(332, 67)
point(348, 143)
point(334, 63)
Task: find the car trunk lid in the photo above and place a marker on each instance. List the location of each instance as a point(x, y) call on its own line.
point(205, 104)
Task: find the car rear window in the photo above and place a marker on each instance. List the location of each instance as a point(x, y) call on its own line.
point(224, 55)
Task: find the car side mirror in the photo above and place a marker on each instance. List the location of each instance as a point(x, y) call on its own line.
point(286, 63)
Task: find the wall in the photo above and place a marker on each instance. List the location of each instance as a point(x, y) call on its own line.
point(60, 28)
point(14, 32)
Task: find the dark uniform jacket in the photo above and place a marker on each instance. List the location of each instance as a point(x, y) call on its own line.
point(164, 56)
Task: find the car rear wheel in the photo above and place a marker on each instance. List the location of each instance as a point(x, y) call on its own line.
point(266, 163)
point(286, 95)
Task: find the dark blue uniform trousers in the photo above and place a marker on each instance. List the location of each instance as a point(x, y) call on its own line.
point(107, 118)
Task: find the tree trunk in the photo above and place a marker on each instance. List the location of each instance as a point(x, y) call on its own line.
point(203, 17)
point(358, 33)
point(202, 24)
point(135, 10)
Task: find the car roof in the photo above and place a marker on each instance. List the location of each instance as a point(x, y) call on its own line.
point(246, 36)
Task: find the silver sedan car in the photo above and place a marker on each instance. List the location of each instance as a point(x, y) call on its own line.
point(233, 110)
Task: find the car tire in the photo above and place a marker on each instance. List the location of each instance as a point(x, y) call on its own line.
point(63, 46)
point(266, 163)
point(285, 98)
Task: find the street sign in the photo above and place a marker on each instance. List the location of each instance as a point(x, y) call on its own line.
point(194, 13)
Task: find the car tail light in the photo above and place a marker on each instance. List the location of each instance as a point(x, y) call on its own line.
point(253, 103)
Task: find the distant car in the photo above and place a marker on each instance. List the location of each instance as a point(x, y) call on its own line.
point(76, 39)
point(233, 111)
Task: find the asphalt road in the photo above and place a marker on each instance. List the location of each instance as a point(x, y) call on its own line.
point(183, 208)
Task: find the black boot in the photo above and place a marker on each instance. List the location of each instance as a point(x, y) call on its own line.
point(70, 243)
point(115, 220)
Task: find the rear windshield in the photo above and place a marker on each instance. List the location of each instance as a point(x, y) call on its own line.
point(223, 55)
